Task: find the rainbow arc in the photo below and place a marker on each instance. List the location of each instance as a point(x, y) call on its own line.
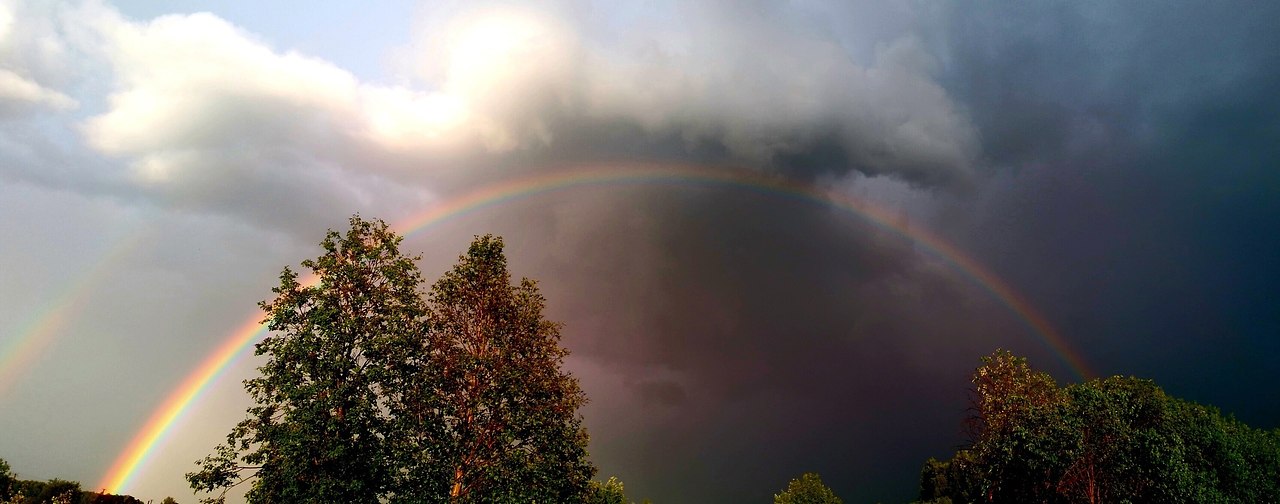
point(237, 344)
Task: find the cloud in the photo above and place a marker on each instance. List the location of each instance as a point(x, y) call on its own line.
point(1131, 147)
point(755, 334)
point(16, 91)
point(772, 93)
point(753, 85)
point(205, 117)
point(6, 22)
point(29, 53)
point(199, 104)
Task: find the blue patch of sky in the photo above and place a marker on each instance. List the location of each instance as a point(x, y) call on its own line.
point(356, 36)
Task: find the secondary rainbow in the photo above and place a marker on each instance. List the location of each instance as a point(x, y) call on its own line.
point(31, 339)
point(162, 421)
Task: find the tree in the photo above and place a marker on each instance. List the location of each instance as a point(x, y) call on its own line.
point(56, 491)
point(374, 393)
point(807, 489)
point(608, 492)
point(1017, 431)
point(7, 480)
point(104, 498)
point(485, 412)
point(318, 432)
point(1116, 439)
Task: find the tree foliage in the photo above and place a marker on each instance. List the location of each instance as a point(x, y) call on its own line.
point(317, 431)
point(7, 480)
point(1116, 439)
point(374, 391)
point(807, 489)
point(55, 491)
point(487, 408)
point(607, 492)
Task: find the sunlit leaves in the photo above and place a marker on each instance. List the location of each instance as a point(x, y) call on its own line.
point(807, 489)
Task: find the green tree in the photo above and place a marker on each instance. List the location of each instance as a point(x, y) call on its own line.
point(1118, 439)
point(607, 492)
point(317, 431)
point(7, 480)
point(807, 489)
point(55, 491)
point(484, 411)
point(168, 500)
point(374, 393)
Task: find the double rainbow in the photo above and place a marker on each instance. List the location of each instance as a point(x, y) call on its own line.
point(162, 421)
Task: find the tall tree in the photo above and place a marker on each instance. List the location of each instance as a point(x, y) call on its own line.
point(317, 430)
point(374, 393)
point(485, 412)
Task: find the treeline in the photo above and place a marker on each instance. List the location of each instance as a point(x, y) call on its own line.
point(1117, 439)
point(54, 491)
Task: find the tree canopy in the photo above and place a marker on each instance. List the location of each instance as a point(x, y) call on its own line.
point(606, 492)
point(807, 489)
point(54, 491)
point(485, 411)
point(376, 391)
point(1117, 439)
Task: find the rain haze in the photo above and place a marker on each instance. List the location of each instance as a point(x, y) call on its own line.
point(1095, 186)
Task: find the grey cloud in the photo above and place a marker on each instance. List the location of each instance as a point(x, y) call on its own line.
point(759, 335)
point(661, 393)
point(220, 122)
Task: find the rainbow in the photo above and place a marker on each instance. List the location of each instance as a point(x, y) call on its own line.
point(162, 421)
point(41, 330)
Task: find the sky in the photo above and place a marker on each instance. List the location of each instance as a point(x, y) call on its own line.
point(1113, 167)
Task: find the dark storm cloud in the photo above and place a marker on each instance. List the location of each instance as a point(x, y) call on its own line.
point(1127, 181)
point(661, 393)
point(1133, 148)
point(758, 337)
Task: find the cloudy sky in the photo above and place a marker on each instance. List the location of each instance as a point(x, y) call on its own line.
point(1115, 164)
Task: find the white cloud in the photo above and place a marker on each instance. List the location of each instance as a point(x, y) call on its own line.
point(507, 65)
point(207, 117)
point(15, 88)
point(195, 81)
point(30, 52)
point(6, 22)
